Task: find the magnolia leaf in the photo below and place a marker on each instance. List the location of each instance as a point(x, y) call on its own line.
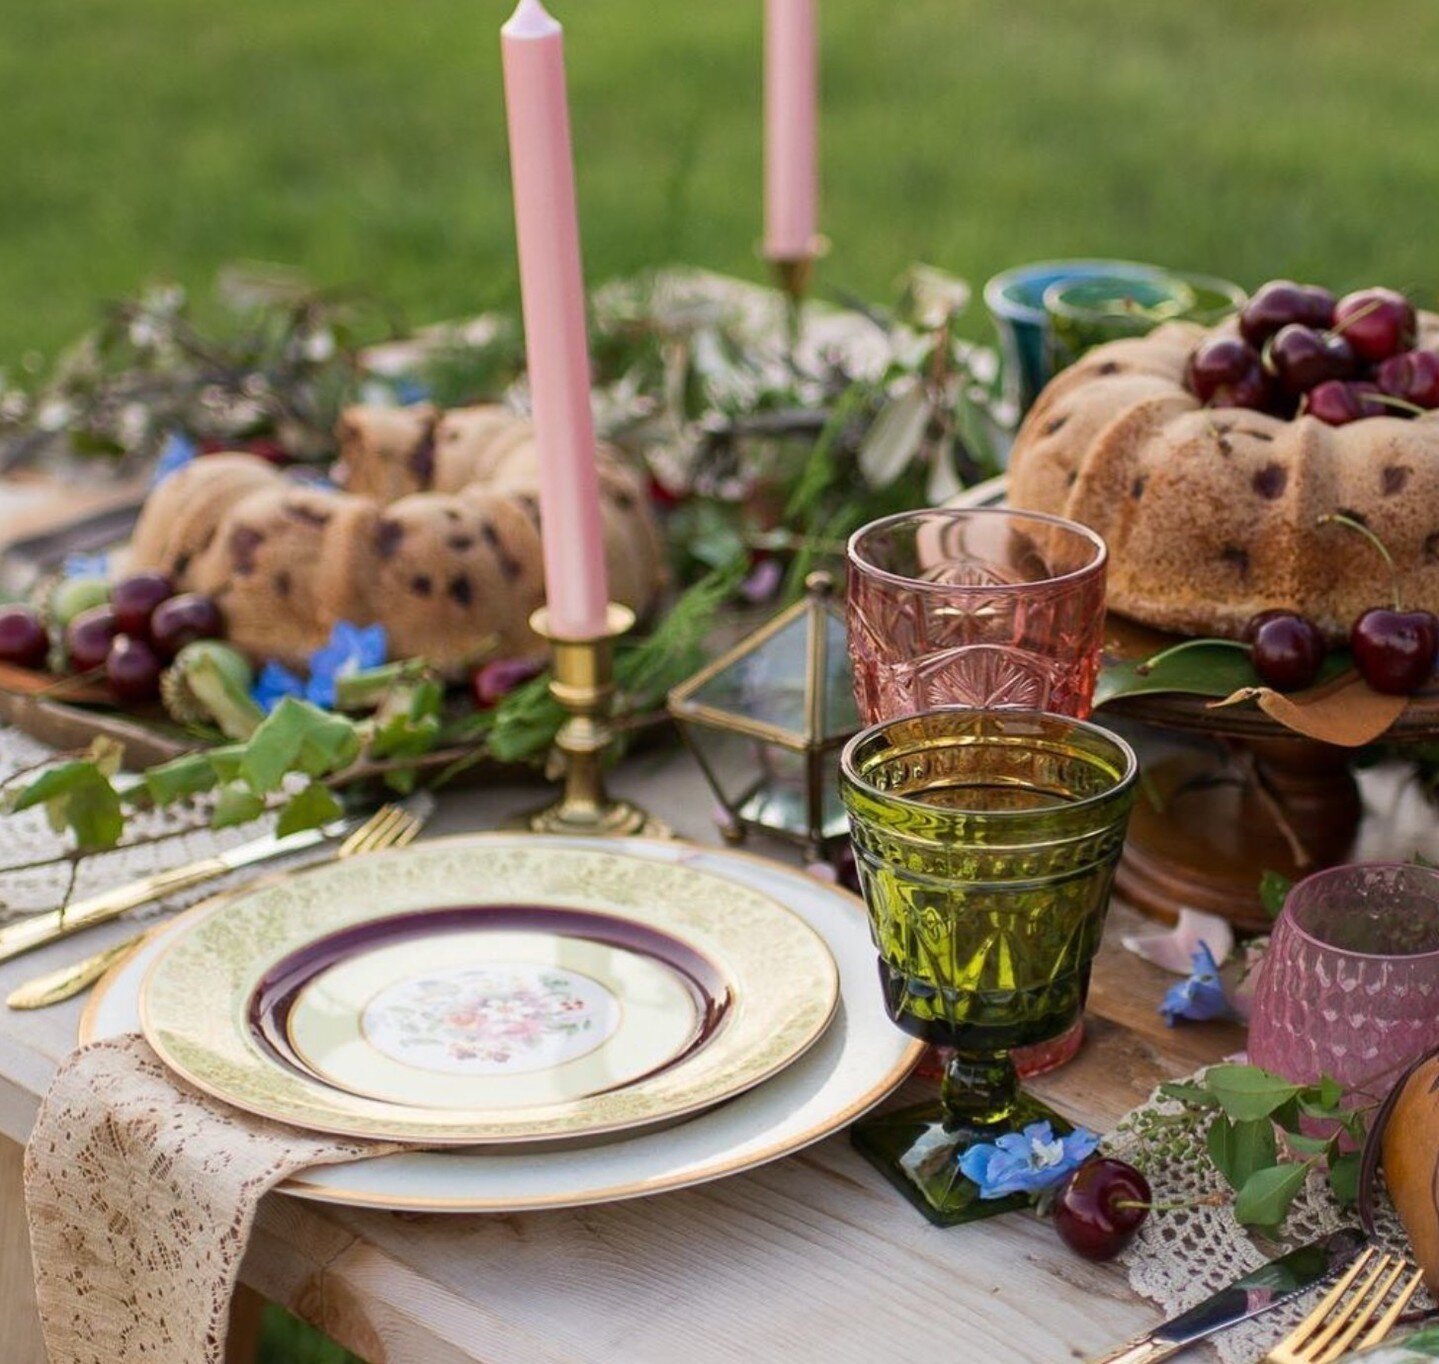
point(1344, 1176)
point(1247, 1092)
point(1267, 1194)
point(1211, 667)
point(187, 775)
point(236, 804)
point(1343, 710)
point(1240, 1149)
point(297, 736)
point(308, 809)
point(893, 438)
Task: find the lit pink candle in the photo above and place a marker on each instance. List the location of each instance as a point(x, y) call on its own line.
point(791, 129)
point(553, 289)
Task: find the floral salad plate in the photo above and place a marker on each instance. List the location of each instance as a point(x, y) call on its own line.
point(493, 989)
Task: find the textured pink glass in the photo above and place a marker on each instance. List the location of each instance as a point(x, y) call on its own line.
point(980, 607)
point(1350, 984)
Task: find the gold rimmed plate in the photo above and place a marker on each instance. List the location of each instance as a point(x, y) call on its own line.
point(488, 992)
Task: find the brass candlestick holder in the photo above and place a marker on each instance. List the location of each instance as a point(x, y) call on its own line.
point(793, 276)
point(583, 683)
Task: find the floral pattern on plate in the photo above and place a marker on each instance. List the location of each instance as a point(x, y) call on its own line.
point(492, 1020)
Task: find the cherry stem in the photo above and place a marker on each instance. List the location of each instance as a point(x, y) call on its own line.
point(1214, 1200)
point(1338, 328)
point(1164, 655)
point(1401, 404)
point(1339, 518)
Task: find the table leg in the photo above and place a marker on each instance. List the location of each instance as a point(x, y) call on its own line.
point(247, 1316)
point(23, 1343)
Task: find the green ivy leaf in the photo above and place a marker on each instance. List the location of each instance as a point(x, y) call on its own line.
point(1247, 1092)
point(77, 795)
point(1239, 1150)
point(1301, 1144)
point(1191, 1095)
point(1265, 1199)
point(1273, 889)
point(297, 736)
point(186, 775)
point(309, 809)
point(236, 804)
point(1344, 1176)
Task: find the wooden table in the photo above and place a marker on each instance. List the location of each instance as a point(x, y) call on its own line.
point(811, 1258)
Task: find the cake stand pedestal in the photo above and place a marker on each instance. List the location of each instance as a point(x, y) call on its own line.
point(1251, 796)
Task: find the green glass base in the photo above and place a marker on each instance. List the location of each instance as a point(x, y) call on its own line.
point(919, 1155)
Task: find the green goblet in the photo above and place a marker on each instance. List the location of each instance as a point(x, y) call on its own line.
point(986, 842)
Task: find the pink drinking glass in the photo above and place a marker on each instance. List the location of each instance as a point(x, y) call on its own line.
point(1350, 984)
point(985, 607)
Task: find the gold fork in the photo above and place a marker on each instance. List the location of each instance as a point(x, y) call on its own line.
point(1331, 1328)
point(391, 826)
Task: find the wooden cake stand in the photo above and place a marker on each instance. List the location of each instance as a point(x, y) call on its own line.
point(1228, 794)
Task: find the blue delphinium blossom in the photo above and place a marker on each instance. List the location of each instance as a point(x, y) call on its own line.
point(177, 451)
point(273, 685)
point(1200, 996)
point(352, 649)
point(1026, 1162)
point(80, 565)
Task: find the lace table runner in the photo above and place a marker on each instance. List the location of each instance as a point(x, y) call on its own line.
point(141, 1193)
point(1180, 1257)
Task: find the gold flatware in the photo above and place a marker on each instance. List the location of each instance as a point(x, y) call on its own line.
point(1333, 1327)
point(391, 826)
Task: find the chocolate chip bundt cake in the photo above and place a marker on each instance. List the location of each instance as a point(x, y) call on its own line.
point(435, 536)
point(1214, 513)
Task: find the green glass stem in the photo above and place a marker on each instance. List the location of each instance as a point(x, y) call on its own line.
point(979, 1091)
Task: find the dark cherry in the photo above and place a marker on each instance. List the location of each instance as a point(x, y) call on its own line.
point(135, 599)
point(88, 638)
point(23, 640)
point(1412, 375)
point(1300, 357)
point(132, 668)
point(1225, 372)
point(1100, 1207)
point(1378, 323)
point(1287, 649)
point(182, 620)
point(1280, 303)
point(1339, 402)
point(1395, 650)
point(497, 679)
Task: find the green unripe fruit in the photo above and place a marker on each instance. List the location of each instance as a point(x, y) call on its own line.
point(75, 595)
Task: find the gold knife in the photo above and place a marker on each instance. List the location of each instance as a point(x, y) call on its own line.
point(55, 986)
point(40, 930)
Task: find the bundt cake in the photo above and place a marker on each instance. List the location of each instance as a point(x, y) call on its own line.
point(435, 536)
point(1214, 513)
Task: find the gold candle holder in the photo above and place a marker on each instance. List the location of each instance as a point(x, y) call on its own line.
point(793, 276)
point(583, 683)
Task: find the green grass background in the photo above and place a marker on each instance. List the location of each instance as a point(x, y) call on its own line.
point(363, 140)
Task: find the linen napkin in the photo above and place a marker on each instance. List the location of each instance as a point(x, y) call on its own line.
point(141, 1193)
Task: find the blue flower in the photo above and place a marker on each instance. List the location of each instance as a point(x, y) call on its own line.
point(177, 451)
point(1201, 995)
point(352, 649)
point(79, 565)
point(273, 685)
point(1026, 1162)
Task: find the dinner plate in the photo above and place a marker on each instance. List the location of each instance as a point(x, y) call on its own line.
point(857, 1062)
point(492, 989)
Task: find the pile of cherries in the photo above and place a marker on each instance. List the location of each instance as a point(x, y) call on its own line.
point(129, 638)
point(1301, 350)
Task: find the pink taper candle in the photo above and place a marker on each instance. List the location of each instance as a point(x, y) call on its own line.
point(556, 347)
point(791, 129)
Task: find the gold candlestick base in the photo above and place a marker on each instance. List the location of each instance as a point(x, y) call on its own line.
point(583, 684)
point(793, 275)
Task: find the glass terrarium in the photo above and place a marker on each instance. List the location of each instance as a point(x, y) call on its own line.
point(767, 721)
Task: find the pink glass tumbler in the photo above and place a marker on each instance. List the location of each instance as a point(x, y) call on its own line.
point(981, 606)
point(1350, 984)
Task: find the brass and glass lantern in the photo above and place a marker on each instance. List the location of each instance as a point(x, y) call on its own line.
point(767, 721)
